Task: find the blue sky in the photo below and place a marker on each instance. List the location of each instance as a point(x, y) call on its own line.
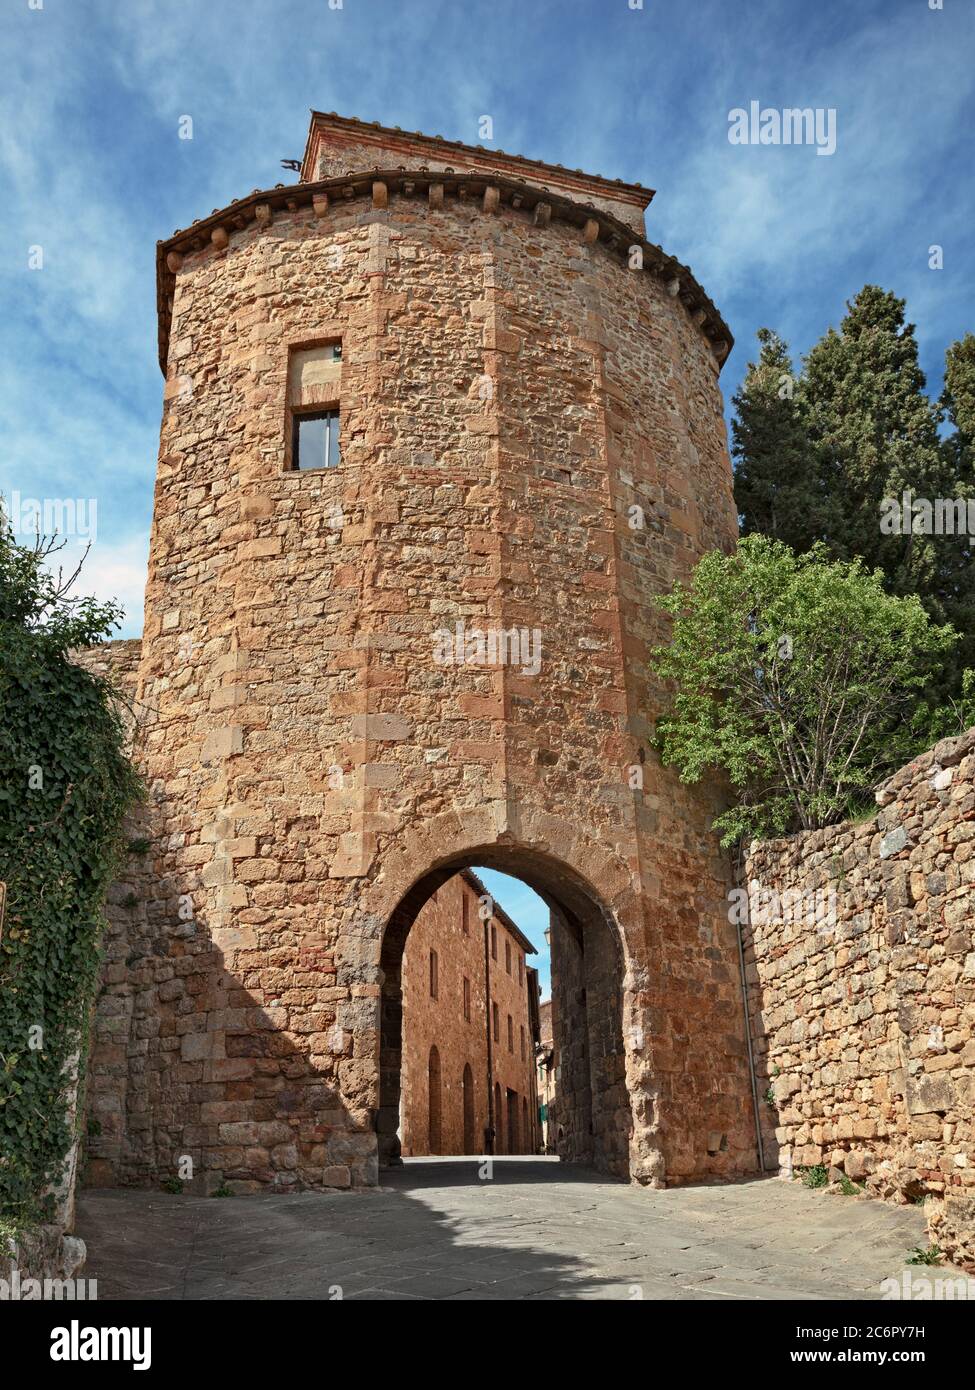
point(524, 906)
point(93, 172)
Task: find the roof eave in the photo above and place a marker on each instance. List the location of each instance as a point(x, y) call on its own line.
point(606, 227)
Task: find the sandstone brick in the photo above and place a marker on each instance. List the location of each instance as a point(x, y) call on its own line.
point(337, 1175)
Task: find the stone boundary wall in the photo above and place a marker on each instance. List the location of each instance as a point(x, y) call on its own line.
point(118, 661)
point(116, 1034)
point(860, 969)
point(42, 1255)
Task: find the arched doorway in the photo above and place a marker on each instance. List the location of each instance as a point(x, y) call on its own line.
point(595, 1116)
point(434, 1114)
point(514, 1138)
point(470, 1121)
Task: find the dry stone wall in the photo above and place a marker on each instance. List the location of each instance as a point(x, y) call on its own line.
point(860, 961)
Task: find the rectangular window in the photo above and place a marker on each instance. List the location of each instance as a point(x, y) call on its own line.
point(434, 976)
point(464, 914)
point(315, 440)
point(522, 1042)
point(511, 1034)
point(494, 1021)
point(521, 969)
point(494, 943)
point(507, 956)
point(467, 999)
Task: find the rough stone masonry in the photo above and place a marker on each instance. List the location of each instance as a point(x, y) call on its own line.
point(531, 437)
point(864, 1014)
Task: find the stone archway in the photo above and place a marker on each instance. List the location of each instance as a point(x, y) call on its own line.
point(589, 989)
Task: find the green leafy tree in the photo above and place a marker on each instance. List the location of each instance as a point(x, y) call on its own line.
point(951, 592)
point(796, 679)
point(64, 786)
point(860, 429)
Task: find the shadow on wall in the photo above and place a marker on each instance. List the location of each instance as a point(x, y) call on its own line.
point(766, 1088)
point(247, 1074)
point(187, 1063)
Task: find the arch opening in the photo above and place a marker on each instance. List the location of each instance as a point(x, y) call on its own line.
point(517, 1089)
point(434, 1102)
point(470, 1119)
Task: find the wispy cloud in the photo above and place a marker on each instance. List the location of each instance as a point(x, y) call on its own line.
point(782, 236)
point(94, 171)
point(113, 570)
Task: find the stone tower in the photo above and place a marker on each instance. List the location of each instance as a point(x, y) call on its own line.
point(358, 677)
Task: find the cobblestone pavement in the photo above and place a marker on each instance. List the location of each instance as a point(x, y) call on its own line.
point(535, 1230)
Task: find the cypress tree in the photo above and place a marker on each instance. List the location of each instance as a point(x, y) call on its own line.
point(777, 490)
point(858, 428)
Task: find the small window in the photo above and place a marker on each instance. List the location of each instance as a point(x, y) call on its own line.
point(522, 1042)
point(464, 915)
point(467, 999)
point(507, 956)
point(434, 976)
point(315, 442)
point(494, 1021)
point(521, 969)
point(511, 1034)
point(494, 943)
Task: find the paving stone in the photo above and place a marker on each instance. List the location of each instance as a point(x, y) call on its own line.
point(547, 1231)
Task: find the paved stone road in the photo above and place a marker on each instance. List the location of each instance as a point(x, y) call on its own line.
point(537, 1230)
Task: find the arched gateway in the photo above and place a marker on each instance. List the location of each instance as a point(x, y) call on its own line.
point(439, 424)
point(589, 971)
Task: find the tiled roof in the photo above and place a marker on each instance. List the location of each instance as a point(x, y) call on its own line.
point(637, 191)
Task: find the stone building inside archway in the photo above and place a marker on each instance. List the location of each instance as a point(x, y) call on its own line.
point(469, 1022)
point(430, 943)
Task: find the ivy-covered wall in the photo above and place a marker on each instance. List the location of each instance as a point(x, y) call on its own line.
point(65, 784)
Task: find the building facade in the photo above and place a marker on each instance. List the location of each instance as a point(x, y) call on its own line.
point(469, 1032)
point(545, 1077)
point(439, 423)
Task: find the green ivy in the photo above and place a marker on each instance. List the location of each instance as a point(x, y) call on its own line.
point(65, 784)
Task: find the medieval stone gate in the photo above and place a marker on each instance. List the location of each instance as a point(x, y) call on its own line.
point(428, 649)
